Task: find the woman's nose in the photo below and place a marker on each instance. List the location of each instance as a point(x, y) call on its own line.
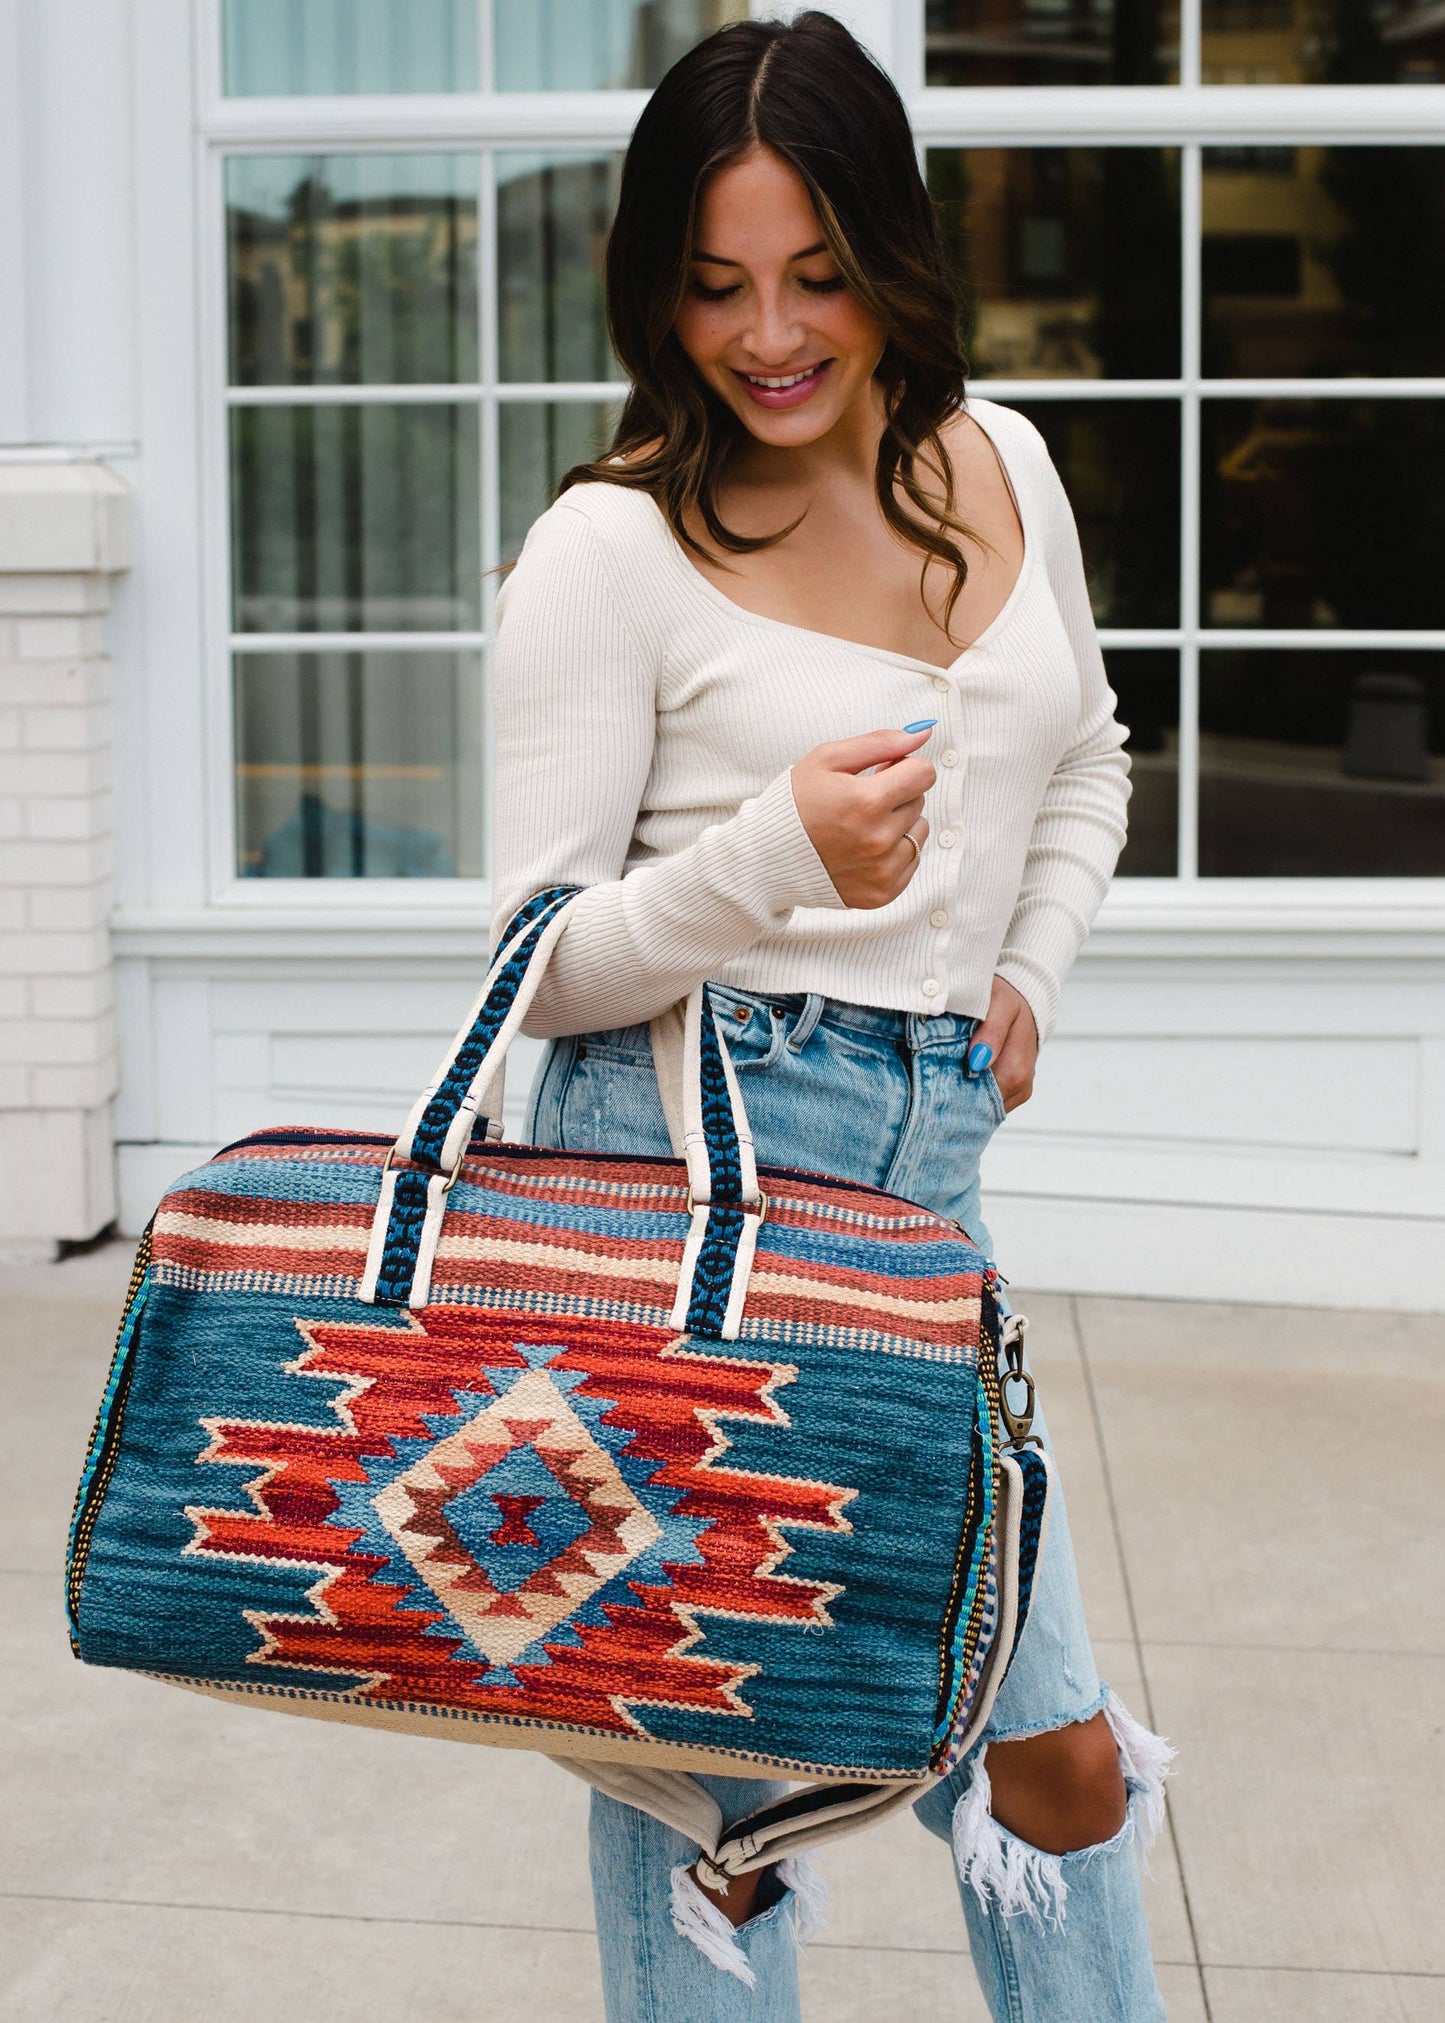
point(776, 334)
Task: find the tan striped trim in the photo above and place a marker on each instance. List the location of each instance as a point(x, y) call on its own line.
point(269, 1235)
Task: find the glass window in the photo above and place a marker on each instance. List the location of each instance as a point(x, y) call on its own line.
point(355, 519)
point(1312, 261)
point(1318, 513)
point(352, 269)
point(283, 48)
point(590, 45)
point(1322, 765)
point(553, 215)
point(1326, 42)
point(1146, 682)
point(358, 765)
point(1119, 461)
point(540, 440)
point(976, 42)
point(1069, 257)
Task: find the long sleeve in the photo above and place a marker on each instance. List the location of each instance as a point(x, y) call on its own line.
point(574, 695)
point(1080, 826)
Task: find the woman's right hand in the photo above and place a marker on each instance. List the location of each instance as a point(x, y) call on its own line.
point(858, 821)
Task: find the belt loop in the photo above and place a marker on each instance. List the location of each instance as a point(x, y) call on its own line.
point(808, 1017)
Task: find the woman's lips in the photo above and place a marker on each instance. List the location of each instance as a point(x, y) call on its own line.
point(785, 396)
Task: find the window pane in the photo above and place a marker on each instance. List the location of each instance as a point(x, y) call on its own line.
point(586, 45)
point(1052, 42)
point(286, 47)
point(1322, 765)
point(540, 440)
point(1328, 42)
point(1146, 682)
point(1119, 460)
point(358, 765)
point(1323, 512)
point(358, 269)
point(1323, 260)
point(355, 519)
point(553, 215)
point(1070, 258)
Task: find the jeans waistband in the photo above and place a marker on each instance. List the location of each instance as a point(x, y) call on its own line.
point(806, 1009)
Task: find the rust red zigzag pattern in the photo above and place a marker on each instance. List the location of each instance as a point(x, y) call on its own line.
point(674, 1402)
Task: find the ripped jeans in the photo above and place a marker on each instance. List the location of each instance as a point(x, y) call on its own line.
point(881, 1096)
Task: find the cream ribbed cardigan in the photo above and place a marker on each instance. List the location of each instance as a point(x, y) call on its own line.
point(645, 726)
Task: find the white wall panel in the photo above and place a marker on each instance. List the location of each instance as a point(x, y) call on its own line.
point(1239, 1089)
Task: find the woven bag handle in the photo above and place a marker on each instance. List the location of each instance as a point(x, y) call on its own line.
point(725, 1205)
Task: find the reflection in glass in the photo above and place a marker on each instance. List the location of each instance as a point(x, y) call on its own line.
point(1326, 42)
point(358, 765)
point(590, 45)
point(1322, 512)
point(553, 216)
point(354, 519)
point(352, 269)
point(1323, 261)
point(1119, 461)
point(1146, 682)
point(1070, 258)
point(287, 47)
point(539, 441)
point(1322, 765)
point(1052, 42)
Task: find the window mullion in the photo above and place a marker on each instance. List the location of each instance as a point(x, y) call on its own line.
point(1191, 226)
point(490, 517)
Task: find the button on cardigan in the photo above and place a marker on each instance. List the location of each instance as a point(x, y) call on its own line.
point(645, 726)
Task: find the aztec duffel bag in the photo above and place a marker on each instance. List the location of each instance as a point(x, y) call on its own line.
point(655, 1465)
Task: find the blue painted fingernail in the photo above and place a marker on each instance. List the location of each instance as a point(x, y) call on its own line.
point(979, 1057)
point(924, 723)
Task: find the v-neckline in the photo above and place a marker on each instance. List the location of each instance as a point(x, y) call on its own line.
point(990, 632)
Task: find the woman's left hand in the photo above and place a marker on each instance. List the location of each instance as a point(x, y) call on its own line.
point(1012, 1038)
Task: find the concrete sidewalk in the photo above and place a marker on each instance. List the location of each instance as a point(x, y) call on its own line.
point(1254, 1493)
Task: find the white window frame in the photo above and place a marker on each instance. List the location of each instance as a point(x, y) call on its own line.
point(1215, 915)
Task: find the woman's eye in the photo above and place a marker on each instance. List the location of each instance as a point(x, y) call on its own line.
point(828, 287)
point(706, 294)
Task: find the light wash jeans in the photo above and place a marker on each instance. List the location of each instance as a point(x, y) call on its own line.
point(881, 1096)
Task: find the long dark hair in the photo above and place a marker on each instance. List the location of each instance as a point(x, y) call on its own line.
point(809, 91)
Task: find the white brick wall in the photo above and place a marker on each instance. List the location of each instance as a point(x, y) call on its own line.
point(64, 532)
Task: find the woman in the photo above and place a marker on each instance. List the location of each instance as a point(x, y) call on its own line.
point(865, 778)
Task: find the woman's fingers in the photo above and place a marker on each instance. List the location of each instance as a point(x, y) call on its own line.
point(869, 748)
point(906, 782)
point(1006, 1041)
point(858, 798)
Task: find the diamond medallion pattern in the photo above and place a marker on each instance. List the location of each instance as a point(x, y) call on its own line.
point(475, 1576)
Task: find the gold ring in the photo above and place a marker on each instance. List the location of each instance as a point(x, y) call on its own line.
point(909, 837)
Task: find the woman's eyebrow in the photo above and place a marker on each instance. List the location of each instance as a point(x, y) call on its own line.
point(717, 260)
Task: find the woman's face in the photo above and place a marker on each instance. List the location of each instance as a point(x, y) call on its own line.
point(765, 302)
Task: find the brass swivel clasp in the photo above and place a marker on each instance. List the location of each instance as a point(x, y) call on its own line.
point(1017, 1422)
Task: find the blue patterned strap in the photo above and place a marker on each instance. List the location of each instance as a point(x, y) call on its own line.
point(423, 1163)
point(725, 1203)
